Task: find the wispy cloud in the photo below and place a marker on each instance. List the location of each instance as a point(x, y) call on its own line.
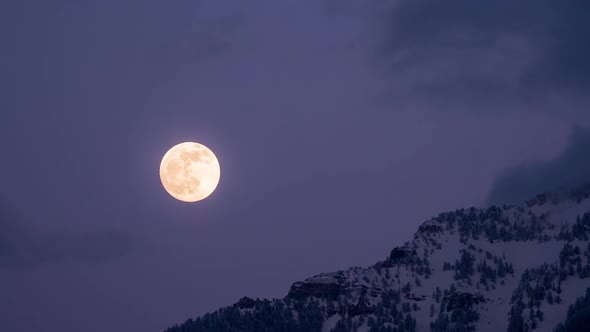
point(570, 168)
point(23, 246)
point(494, 56)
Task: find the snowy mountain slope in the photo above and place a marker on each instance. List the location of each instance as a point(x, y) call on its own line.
point(509, 268)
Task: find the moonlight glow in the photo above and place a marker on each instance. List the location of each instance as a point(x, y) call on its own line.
point(189, 172)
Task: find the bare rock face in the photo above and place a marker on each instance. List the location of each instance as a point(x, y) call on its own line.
point(414, 297)
point(327, 286)
point(301, 290)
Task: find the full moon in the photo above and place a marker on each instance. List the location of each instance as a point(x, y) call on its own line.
point(189, 172)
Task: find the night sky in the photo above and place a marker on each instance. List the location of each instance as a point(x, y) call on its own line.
point(339, 125)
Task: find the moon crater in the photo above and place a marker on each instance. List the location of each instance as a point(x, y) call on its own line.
point(189, 172)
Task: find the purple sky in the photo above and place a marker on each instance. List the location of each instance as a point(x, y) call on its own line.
point(339, 127)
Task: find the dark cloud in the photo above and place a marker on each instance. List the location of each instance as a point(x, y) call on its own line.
point(23, 246)
point(501, 56)
point(570, 168)
point(490, 54)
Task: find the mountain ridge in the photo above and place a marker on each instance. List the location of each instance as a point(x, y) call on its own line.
point(502, 268)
